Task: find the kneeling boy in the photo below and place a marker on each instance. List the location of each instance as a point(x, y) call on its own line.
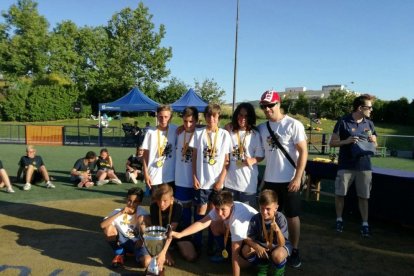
point(267, 239)
point(123, 228)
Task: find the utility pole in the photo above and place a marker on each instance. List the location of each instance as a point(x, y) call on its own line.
point(235, 58)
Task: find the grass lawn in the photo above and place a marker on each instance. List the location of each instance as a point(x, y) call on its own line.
point(59, 161)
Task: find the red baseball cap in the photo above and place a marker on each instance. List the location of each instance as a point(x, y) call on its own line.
point(270, 97)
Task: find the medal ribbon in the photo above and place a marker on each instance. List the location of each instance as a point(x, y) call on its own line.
point(212, 147)
point(185, 144)
point(241, 143)
point(268, 238)
point(169, 215)
point(161, 147)
point(226, 235)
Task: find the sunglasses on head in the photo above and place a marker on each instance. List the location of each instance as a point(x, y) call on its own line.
point(264, 106)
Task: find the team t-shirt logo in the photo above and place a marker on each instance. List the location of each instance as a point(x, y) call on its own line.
point(187, 155)
point(272, 144)
point(207, 154)
point(168, 151)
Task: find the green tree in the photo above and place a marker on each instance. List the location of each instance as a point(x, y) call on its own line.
point(64, 55)
point(135, 56)
point(25, 52)
point(338, 103)
point(172, 92)
point(210, 91)
point(302, 105)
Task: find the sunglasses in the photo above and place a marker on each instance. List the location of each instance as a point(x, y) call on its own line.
point(367, 107)
point(264, 106)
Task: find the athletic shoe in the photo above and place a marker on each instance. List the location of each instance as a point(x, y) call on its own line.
point(118, 261)
point(10, 190)
point(294, 259)
point(133, 178)
point(365, 231)
point(102, 182)
point(88, 184)
point(49, 185)
point(27, 186)
point(339, 226)
point(218, 259)
point(116, 181)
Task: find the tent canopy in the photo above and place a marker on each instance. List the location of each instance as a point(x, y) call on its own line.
point(133, 101)
point(190, 98)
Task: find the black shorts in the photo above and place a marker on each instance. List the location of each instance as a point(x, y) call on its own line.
point(289, 202)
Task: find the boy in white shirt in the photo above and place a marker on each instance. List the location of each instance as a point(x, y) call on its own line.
point(184, 190)
point(159, 154)
point(211, 148)
point(122, 229)
point(227, 218)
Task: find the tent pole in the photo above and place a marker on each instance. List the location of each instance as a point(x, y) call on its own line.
point(99, 129)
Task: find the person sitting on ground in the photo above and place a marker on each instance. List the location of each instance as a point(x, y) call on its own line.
point(267, 239)
point(33, 169)
point(106, 169)
point(134, 166)
point(227, 217)
point(123, 229)
point(136, 129)
point(5, 180)
point(81, 172)
point(167, 211)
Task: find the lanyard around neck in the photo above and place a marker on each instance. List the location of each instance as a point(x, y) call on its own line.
point(185, 143)
point(161, 147)
point(268, 237)
point(212, 147)
point(169, 215)
point(241, 143)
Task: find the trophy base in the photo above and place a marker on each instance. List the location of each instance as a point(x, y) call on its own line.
point(147, 273)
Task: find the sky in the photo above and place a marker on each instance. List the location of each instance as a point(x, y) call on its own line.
point(365, 45)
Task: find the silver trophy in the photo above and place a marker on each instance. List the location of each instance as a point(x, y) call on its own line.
point(154, 240)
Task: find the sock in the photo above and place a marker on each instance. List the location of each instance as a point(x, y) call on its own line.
point(118, 250)
point(365, 223)
point(186, 217)
point(339, 219)
point(210, 238)
point(220, 242)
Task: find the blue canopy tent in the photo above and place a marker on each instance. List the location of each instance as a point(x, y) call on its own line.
point(133, 101)
point(190, 98)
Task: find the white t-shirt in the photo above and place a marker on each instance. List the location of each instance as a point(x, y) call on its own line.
point(165, 173)
point(289, 132)
point(244, 178)
point(127, 224)
point(238, 221)
point(183, 161)
point(208, 174)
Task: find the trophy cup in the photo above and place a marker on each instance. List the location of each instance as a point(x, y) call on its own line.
point(154, 241)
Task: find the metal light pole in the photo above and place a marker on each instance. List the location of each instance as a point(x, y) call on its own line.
point(235, 58)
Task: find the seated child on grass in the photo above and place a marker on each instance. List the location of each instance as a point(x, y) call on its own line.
point(123, 229)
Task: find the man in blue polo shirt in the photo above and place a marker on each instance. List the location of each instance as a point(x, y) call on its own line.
point(348, 131)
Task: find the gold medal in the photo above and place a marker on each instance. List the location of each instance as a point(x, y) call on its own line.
point(239, 163)
point(160, 163)
point(212, 161)
point(225, 254)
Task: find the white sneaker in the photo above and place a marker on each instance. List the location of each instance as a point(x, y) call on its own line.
point(116, 181)
point(102, 182)
point(27, 186)
point(134, 179)
point(10, 190)
point(49, 185)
